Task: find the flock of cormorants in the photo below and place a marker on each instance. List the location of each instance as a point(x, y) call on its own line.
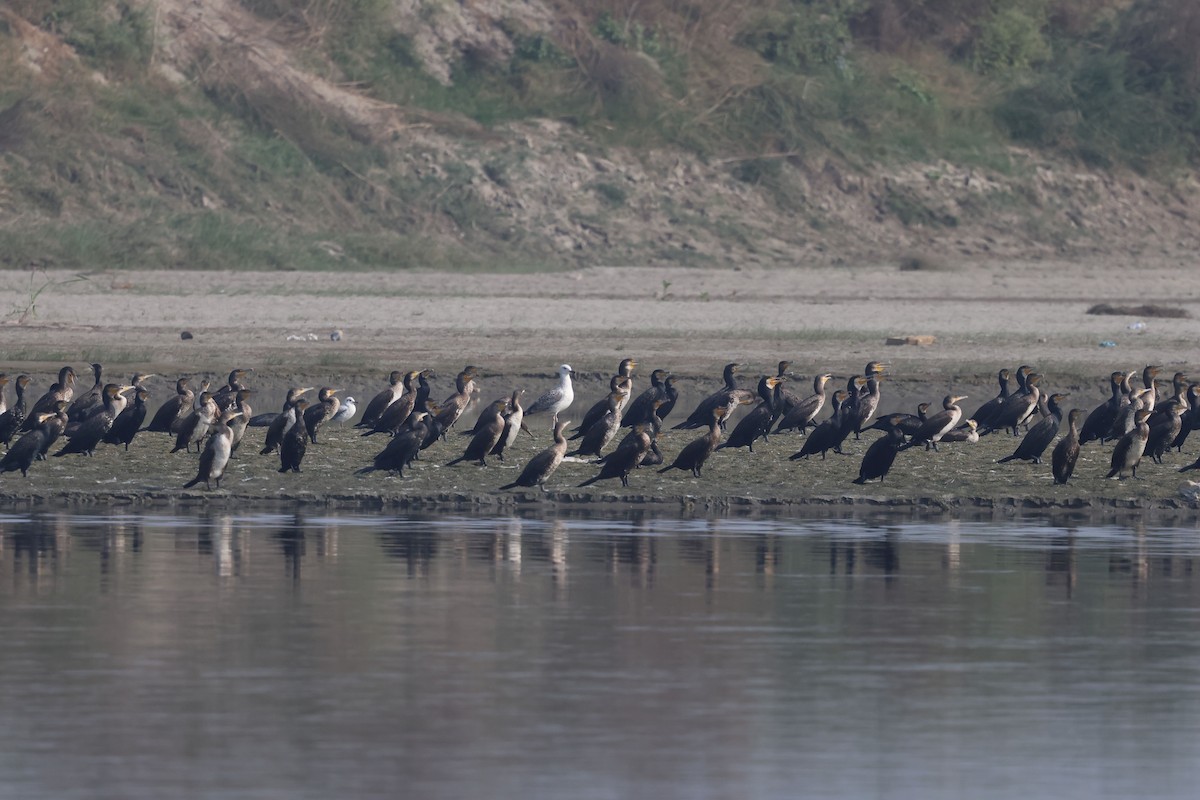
point(1141, 421)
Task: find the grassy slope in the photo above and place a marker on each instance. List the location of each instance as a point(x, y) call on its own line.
point(104, 160)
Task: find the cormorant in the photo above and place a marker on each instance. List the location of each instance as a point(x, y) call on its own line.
point(1066, 452)
point(642, 406)
point(402, 449)
point(602, 431)
point(29, 447)
point(127, 424)
point(539, 468)
point(396, 414)
point(757, 421)
point(728, 397)
point(878, 459)
point(381, 401)
point(940, 423)
point(195, 426)
point(321, 412)
point(623, 460)
point(216, 451)
point(1041, 434)
point(985, 415)
point(92, 397)
point(487, 436)
point(514, 423)
point(92, 430)
point(618, 386)
point(295, 441)
point(967, 432)
point(241, 421)
point(1100, 421)
point(697, 451)
point(868, 400)
point(828, 435)
point(12, 419)
point(63, 390)
point(801, 415)
point(284, 421)
point(1129, 449)
point(454, 405)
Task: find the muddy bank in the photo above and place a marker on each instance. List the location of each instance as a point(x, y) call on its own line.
point(961, 479)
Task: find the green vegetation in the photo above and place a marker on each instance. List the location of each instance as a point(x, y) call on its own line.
point(103, 159)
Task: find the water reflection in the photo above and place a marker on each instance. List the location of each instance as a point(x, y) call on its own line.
point(440, 656)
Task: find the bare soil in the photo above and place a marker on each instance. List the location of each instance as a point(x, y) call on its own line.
point(518, 328)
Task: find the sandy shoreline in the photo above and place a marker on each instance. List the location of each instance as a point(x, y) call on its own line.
point(518, 327)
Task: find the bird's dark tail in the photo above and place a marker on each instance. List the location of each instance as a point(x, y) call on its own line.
point(1193, 465)
point(365, 470)
point(860, 480)
point(192, 482)
point(507, 486)
point(1006, 459)
point(589, 482)
point(1112, 472)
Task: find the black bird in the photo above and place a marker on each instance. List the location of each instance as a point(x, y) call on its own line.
point(216, 451)
point(1164, 430)
point(1127, 455)
point(757, 421)
point(125, 427)
point(514, 423)
point(642, 406)
point(284, 420)
point(602, 430)
point(880, 456)
point(697, 451)
point(1066, 452)
point(623, 460)
point(911, 423)
point(828, 435)
point(195, 425)
point(487, 436)
point(801, 415)
point(672, 393)
point(618, 387)
point(173, 409)
point(382, 400)
point(321, 412)
point(225, 396)
point(29, 447)
point(1189, 420)
point(622, 384)
point(985, 415)
point(295, 441)
point(13, 418)
point(868, 400)
point(539, 468)
point(93, 429)
point(1019, 406)
point(92, 397)
point(728, 397)
point(1041, 434)
point(54, 424)
point(402, 449)
point(931, 432)
point(396, 415)
point(1098, 423)
point(63, 389)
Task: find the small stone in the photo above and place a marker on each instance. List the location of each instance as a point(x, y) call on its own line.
point(185, 335)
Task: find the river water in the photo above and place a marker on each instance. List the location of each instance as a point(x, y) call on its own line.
point(284, 656)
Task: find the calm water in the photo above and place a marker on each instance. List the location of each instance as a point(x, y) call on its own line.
point(322, 657)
